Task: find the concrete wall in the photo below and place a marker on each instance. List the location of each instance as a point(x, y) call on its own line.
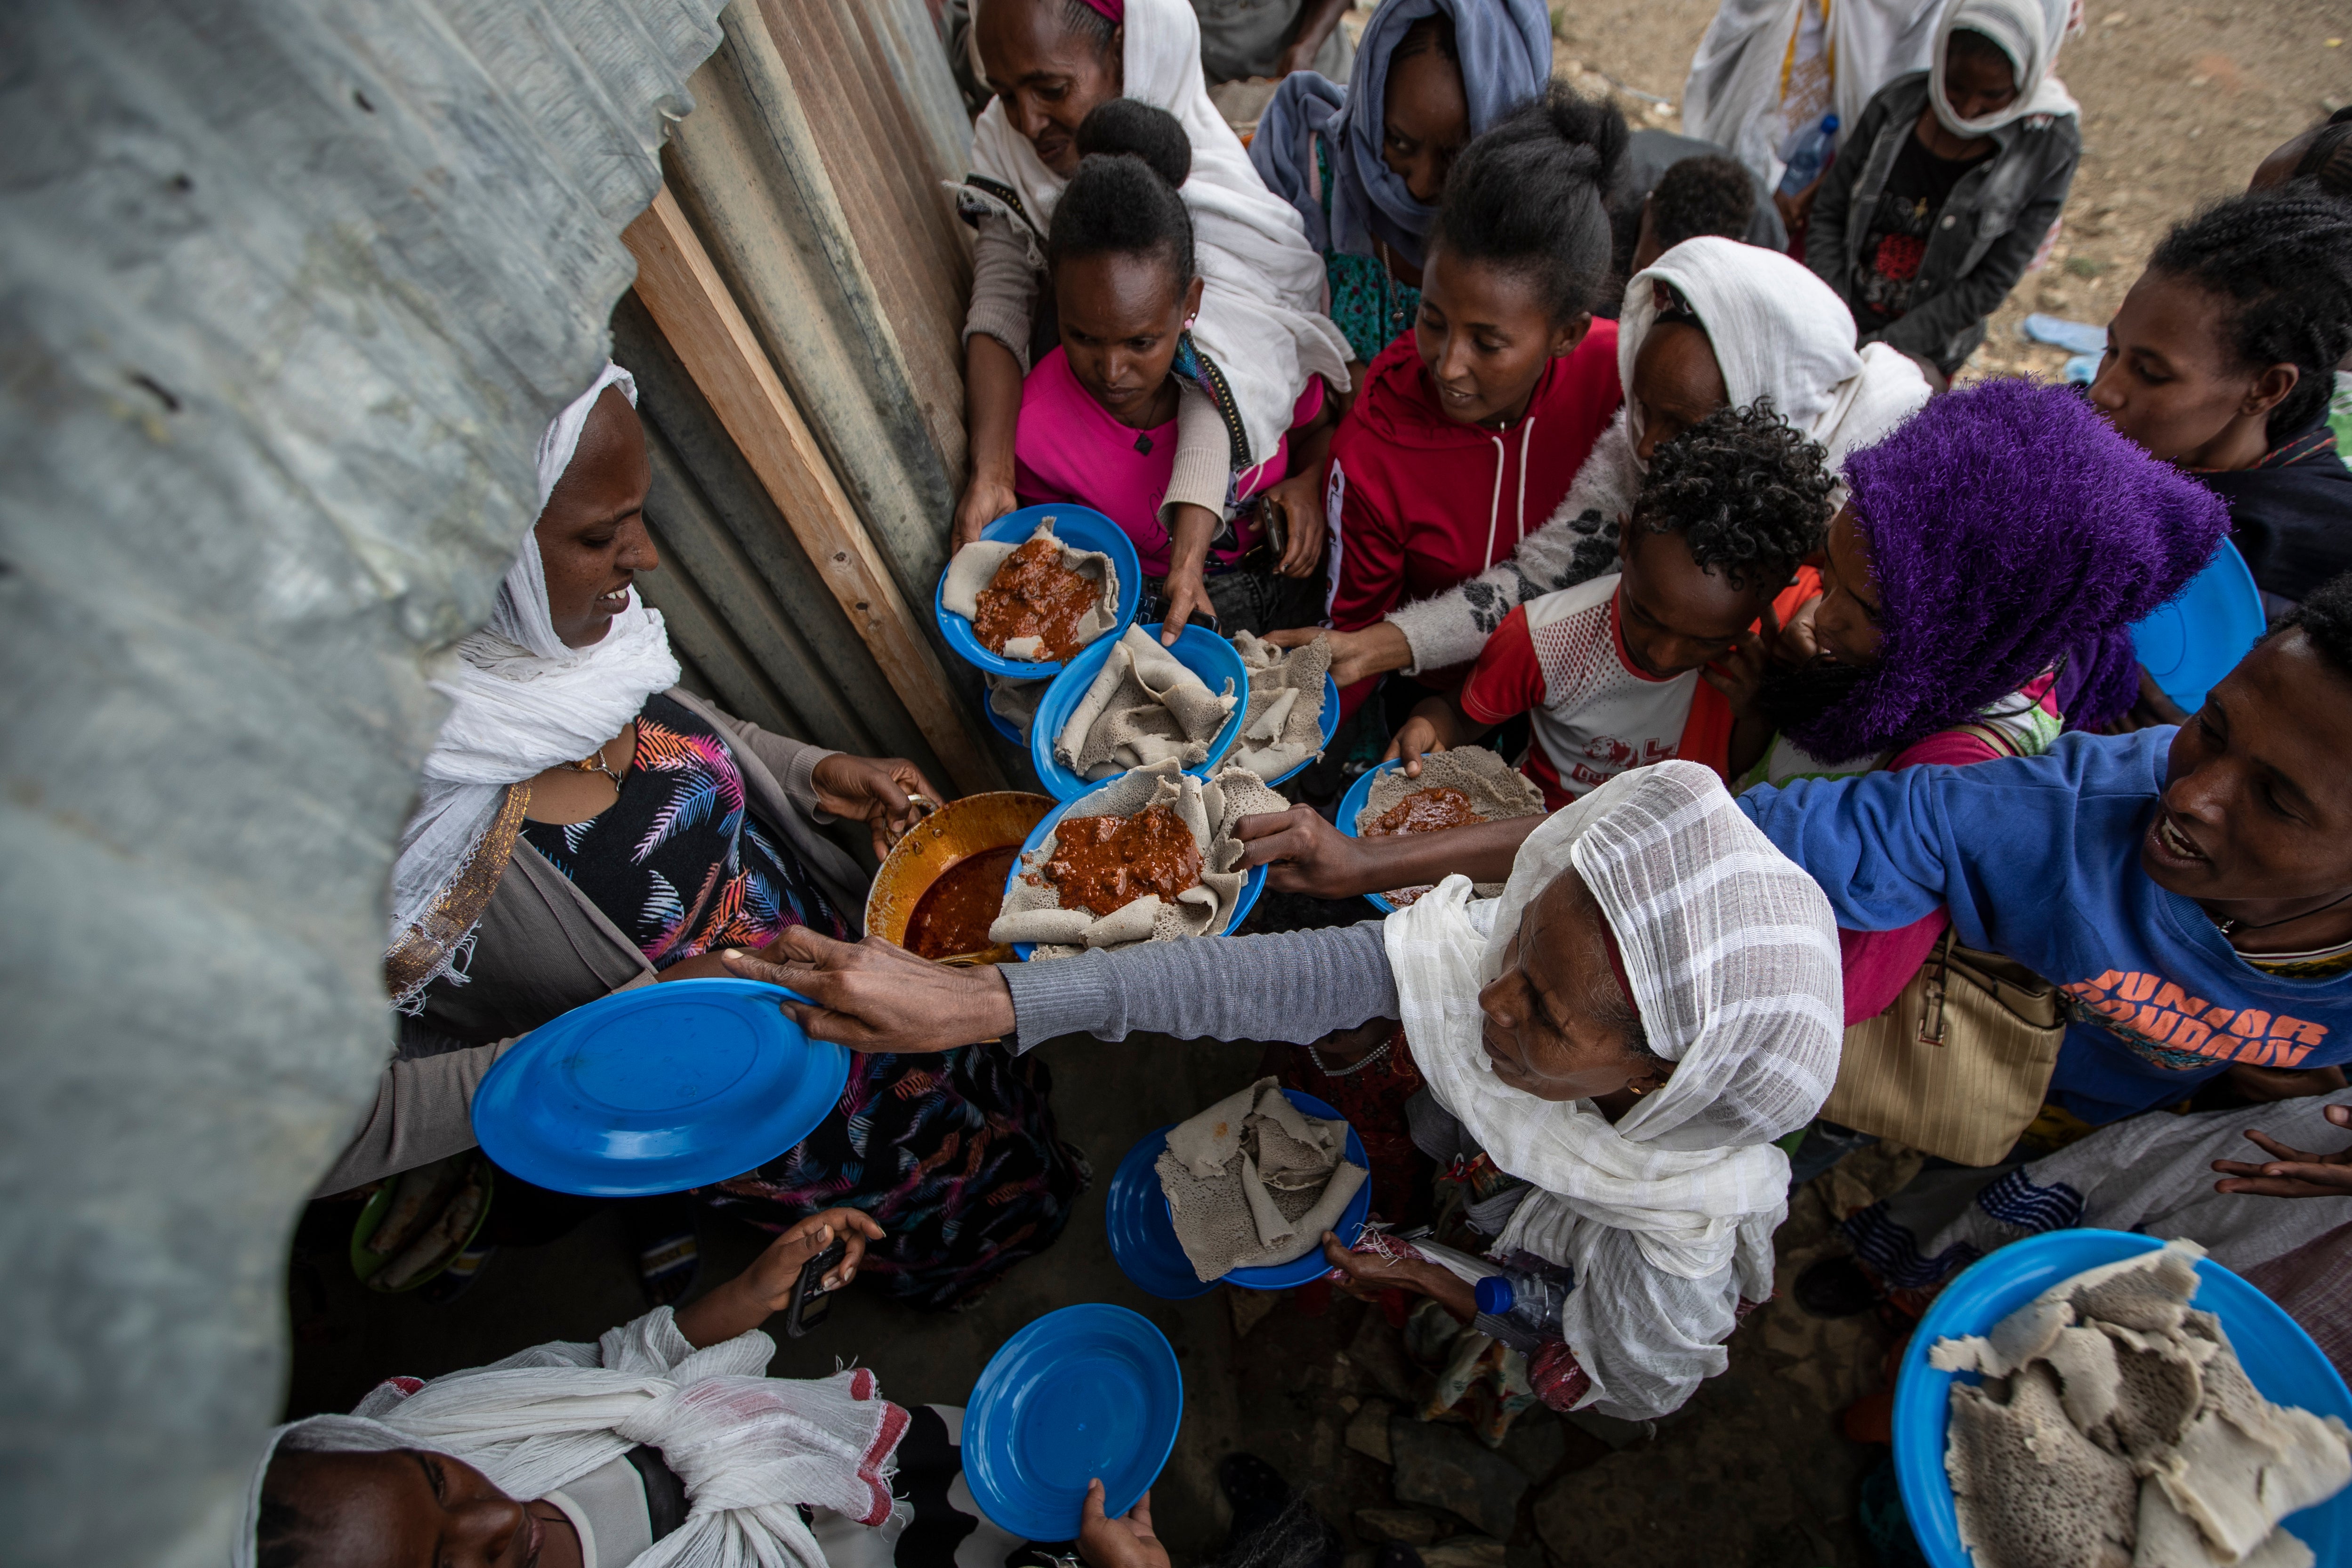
point(286, 293)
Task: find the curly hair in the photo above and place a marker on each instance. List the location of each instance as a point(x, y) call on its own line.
point(2282, 261)
point(1119, 204)
point(2010, 529)
point(1749, 492)
point(2325, 620)
point(1702, 196)
point(1528, 196)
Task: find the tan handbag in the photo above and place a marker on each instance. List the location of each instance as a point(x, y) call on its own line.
point(1959, 1064)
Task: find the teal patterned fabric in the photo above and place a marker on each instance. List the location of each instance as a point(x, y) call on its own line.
point(1367, 305)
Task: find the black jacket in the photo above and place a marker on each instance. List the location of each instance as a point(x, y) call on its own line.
point(1989, 230)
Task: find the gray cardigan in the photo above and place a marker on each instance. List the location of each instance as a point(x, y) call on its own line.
point(543, 948)
point(1990, 226)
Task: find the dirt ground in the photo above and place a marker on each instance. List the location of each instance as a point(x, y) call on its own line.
point(2180, 103)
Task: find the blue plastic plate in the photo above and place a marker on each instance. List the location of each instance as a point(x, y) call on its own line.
point(1143, 1232)
point(1142, 1241)
point(2281, 1361)
point(2191, 643)
point(1302, 1270)
point(1080, 526)
point(1252, 885)
point(1330, 726)
point(1199, 650)
point(1351, 805)
point(1090, 1390)
point(658, 1089)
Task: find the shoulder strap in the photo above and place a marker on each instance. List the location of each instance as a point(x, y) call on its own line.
point(1193, 362)
point(999, 191)
point(424, 949)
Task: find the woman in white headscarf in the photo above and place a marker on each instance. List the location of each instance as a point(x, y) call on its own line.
point(663, 1445)
point(1712, 322)
point(1259, 332)
point(585, 824)
point(1951, 182)
point(1652, 1001)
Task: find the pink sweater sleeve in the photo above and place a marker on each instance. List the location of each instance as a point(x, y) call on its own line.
point(1879, 964)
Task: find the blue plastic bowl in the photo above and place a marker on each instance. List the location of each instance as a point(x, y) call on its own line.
point(1351, 805)
point(1089, 1390)
point(1252, 885)
point(2279, 1357)
point(1142, 1241)
point(658, 1089)
point(1080, 526)
point(1143, 1232)
point(2191, 643)
point(1330, 726)
point(1199, 650)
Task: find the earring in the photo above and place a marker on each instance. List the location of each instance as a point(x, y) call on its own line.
point(1638, 1090)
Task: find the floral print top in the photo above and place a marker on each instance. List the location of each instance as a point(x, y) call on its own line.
point(681, 839)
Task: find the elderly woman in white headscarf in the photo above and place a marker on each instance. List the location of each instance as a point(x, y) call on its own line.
point(1951, 182)
point(1259, 333)
point(1712, 322)
point(1652, 1001)
point(585, 824)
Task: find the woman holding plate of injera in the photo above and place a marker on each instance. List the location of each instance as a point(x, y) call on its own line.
point(1652, 1001)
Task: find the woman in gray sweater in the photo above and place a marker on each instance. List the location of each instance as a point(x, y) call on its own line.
point(1652, 1000)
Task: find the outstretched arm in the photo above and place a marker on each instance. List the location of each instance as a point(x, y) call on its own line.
point(1297, 986)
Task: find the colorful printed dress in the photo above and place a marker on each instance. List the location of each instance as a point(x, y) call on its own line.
point(1369, 305)
point(955, 1154)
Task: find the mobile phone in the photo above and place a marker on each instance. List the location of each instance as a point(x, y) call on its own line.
point(811, 1303)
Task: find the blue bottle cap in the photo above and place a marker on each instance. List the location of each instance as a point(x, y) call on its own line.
point(1494, 1295)
point(1828, 122)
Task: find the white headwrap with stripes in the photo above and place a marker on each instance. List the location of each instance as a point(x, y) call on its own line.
point(1668, 1215)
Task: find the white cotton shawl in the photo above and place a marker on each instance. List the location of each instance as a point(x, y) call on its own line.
point(1732, 95)
point(521, 702)
point(2029, 32)
point(748, 1447)
point(1777, 332)
point(1261, 316)
point(1667, 1216)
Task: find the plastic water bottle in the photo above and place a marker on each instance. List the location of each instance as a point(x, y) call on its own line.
point(1524, 1307)
point(1809, 156)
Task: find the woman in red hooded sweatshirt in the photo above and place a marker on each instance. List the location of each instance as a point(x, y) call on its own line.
point(1470, 426)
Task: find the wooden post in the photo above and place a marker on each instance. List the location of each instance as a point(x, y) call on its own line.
point(689, 301)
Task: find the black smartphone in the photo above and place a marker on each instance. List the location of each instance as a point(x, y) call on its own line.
point(812, 1303)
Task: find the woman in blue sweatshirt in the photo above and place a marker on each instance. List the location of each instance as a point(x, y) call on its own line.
point(2191, 889)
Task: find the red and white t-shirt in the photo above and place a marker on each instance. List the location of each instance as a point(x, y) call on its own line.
point(1561, 659)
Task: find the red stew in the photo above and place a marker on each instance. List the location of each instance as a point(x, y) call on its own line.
point(1102, 863)
point(1423, 812)
point(956, 911)
point(1032, 595)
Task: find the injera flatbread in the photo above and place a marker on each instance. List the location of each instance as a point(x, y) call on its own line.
point(1033, 913)
point(1283, 725)
point(1254, 1181)
point(1014, 701)
point(1144, 707)
point(977, 564)
point(1497, 791)
point(2113, 1363)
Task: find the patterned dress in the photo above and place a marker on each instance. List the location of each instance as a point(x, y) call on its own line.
point(955, 1154)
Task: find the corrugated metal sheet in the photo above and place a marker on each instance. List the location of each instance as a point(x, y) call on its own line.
point(287, 292)
point(811, 177)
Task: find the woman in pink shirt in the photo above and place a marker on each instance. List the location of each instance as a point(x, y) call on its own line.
point(1098, 414)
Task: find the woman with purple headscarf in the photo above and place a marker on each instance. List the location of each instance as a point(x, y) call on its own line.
point(1980, 583)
